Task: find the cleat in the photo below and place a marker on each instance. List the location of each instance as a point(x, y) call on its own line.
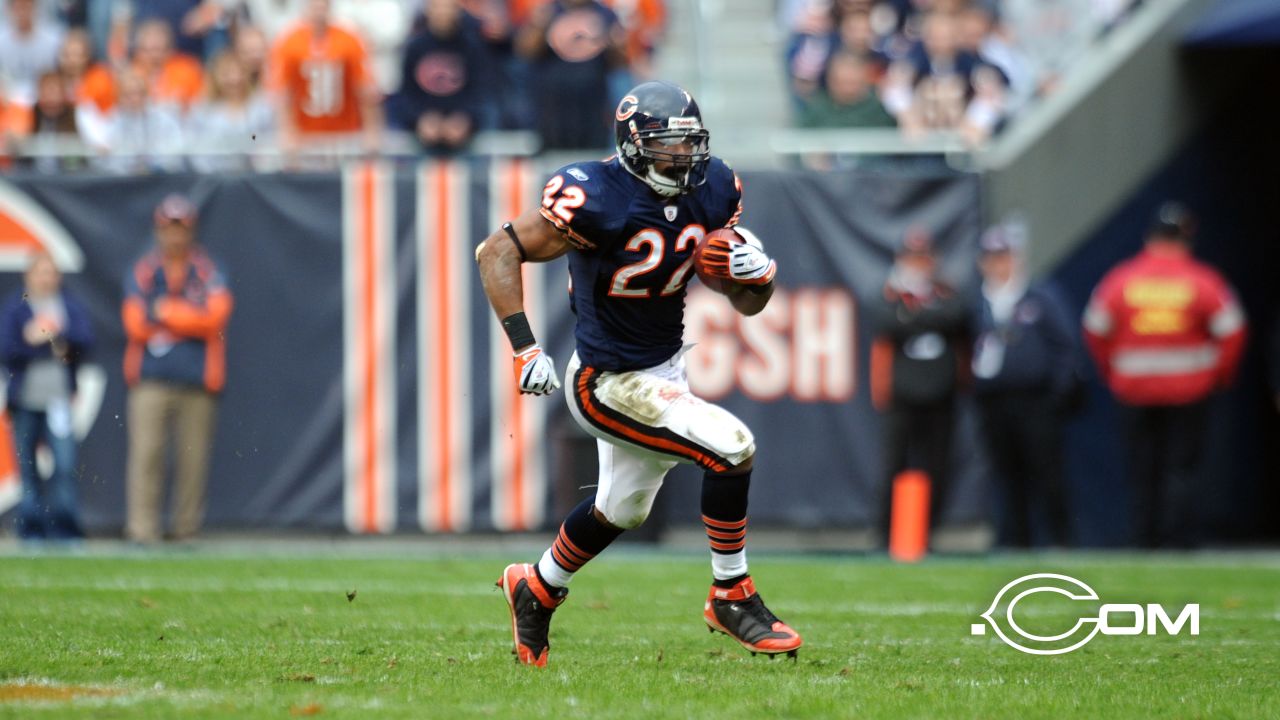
point(531, 604)
point(793, 654)
point(740, 613)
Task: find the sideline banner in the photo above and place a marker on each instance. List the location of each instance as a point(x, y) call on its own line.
point(369, 386)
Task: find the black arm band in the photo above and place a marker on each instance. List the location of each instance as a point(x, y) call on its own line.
point(518, 331)
point(511, 233)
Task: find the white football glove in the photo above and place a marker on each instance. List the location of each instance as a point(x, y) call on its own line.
point(535, 371)
point(748, 262)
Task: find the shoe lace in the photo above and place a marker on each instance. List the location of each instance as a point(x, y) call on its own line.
point(755, 607)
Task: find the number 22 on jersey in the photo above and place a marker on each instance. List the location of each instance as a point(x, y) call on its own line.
point(573, 197)
point(656, 243)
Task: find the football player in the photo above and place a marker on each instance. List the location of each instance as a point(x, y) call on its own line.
point(629, 226)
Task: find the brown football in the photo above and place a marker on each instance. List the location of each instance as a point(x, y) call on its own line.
point(711, 258)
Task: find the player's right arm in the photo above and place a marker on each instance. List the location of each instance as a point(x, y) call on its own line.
point(529, 238)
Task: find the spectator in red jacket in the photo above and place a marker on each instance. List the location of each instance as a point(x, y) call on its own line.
point(1166, 331)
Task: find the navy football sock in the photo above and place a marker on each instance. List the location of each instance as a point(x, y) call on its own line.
point(582, 537)
point(724, 514)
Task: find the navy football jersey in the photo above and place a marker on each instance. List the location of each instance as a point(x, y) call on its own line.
point(633, 256)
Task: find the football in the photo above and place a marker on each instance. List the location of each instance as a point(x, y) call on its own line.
point(711, 258)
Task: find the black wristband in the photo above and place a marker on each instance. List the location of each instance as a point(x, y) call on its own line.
point(511, 232)
point(759, 289)
point(518, 331)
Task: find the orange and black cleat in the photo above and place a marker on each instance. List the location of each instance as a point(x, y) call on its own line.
point(740, 613)
point(531, 603)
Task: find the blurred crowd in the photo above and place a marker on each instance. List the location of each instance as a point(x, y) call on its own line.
point(926, 65)
point(135, 83)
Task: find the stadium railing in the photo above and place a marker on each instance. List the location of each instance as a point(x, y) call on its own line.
point(392, 144)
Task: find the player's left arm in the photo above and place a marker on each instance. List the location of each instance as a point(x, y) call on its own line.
point(749, 264)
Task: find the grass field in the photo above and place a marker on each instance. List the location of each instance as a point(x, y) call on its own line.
point(209, 633)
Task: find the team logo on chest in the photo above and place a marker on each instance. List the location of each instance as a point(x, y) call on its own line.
point(670, 211)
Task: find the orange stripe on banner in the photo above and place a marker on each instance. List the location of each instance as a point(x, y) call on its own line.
point(647, 440)
point(369, 319)
point(728, 546)
point(517, 407)
point(726, 535)
point(443, 347)
point(723, 525)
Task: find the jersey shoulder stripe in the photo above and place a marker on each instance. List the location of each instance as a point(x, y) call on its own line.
point(588, 202)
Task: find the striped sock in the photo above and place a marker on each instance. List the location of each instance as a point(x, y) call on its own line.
point(581, 538)
point(724, 514)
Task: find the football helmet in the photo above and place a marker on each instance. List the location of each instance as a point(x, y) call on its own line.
point(661, 139)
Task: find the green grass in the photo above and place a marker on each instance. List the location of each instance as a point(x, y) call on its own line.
point(210, 634)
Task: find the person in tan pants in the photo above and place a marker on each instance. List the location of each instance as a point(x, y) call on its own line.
point(175, 310)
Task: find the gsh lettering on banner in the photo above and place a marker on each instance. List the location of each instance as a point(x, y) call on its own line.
point(801, 347)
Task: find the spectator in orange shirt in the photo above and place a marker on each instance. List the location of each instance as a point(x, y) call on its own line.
point(321, 73)
point(172, 77)
point(175, 77)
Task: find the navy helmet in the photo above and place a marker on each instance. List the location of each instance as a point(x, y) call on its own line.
point(661, 139)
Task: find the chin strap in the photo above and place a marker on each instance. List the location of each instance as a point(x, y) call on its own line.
point(654, 180)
